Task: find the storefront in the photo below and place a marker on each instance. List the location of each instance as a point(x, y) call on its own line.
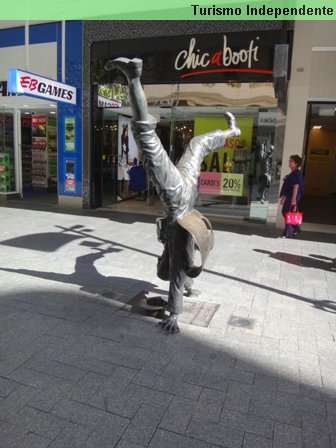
point(40, 112)
point(190, 80)
point(311, 121)
point(28, 148)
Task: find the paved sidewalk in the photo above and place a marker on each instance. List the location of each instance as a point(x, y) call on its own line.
point(78, 369)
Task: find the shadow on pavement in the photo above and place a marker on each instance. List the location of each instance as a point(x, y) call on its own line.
point(105, 378)
point(242, 227)
point(313, 261)
point(87, 276)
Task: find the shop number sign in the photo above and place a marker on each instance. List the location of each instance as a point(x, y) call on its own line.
point(228, 184)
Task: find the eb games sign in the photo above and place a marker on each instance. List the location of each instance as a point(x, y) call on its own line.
point(26, 83)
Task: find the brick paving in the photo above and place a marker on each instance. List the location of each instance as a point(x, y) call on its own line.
point(79, 369)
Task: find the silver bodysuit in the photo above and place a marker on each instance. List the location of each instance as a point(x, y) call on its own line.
point(177, 188)
point(176, 185)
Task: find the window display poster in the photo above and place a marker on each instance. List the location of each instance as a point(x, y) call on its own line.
point(233, 157)
point(127, 148)
point(69, 133)
point(39, 126)
point(70, 181)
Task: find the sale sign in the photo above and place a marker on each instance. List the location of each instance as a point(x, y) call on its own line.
point(232, 184)
point(228, 184)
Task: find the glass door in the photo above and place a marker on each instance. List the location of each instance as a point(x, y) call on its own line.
point(9, 151)
point(319, 194)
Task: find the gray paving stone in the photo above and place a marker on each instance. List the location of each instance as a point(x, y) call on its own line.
point(248, 423)
point(32, 440)
point(7, 387)
point(238, 396)
point(179, 388)
point(72, 436)
point(198, 375)
point(315, 431)
point(126, 444)
point(46, 398)
point(112, 389)
point(32, 378)
point(88, 363)
point(11, 436)
point(252, 441)
point(178, 415)
point(39, 422)
point(214, 381)
point(11, 360)
point(284, 413)
point(166, 439)
point(302, 404)
point(145, 378)
point(215, 433)
point(331, 412)
point(126, 402)
point(16, 401)
point(144, 424)
point(86, 387)
point(288, 386)
point(108, 432)
point(77, 412)
point(114, 354)
point(44, 364)
point(210, 405)
point(287, 436)
point(264, 388)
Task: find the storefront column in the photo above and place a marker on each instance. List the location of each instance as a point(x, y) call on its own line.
point(70, 142)
point(298, 94)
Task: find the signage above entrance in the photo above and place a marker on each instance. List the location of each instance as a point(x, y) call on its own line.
point(194, 62)
point(197, 58)
point(30, 84)
point(108, 103)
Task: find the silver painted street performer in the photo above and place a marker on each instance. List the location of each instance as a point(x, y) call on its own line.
point(182, 229)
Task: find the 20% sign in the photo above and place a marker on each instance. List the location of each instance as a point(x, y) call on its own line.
point(232, 184)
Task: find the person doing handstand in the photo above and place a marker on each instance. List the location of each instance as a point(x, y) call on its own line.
point(182, 229)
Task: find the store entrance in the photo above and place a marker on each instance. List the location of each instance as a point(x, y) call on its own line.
point(125, 183)
point(38, 150)
point(319, 199)
point(239, 180)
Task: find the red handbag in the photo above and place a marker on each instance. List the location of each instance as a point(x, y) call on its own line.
point(293, 218)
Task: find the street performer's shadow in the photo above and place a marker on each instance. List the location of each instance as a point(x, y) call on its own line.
point(89, 279)
point(48, 241)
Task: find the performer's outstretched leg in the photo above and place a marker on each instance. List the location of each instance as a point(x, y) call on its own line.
point(132, 69)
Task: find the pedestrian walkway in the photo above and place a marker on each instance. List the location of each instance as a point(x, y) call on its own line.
point(80, 369)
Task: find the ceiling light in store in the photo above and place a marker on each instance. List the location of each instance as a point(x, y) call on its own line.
point(317, 127)
point(52, 112)
point(26, 113)
point(52, 105)
point(25, 105)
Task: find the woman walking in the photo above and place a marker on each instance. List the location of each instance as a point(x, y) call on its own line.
point(291, 193)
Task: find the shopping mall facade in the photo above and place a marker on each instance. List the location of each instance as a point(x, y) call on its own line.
point(65, 121)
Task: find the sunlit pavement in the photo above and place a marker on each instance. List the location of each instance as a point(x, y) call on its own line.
point(78, 368)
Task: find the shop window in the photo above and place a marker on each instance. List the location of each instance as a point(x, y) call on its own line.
point(7, 152)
